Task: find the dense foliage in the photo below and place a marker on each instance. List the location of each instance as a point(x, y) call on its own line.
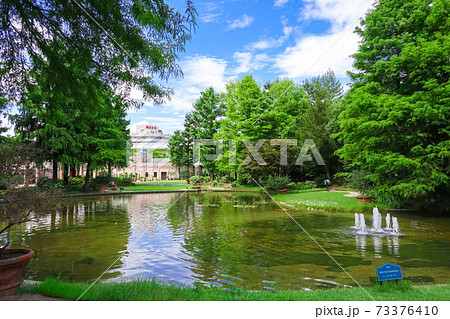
point(126, 43)
point(69, 67)
point(250, 119)
point(394, 124)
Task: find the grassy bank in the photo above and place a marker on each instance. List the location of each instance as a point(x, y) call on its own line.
point(178, 181)
point(155, 187)
point(323, 200)
point(153, 290)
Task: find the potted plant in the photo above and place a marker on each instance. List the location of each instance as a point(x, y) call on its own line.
point(185, 176)
point(278, 183)
point(17, 206)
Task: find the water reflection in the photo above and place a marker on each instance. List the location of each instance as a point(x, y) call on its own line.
point(377, 246)
point(361, 244)
point(223, 239)
point(79, 238)
point(391, 242)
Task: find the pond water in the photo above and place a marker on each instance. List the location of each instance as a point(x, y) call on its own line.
point(224, 239)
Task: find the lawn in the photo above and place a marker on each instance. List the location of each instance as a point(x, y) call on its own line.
point(153, 290)
point(155, 187)
point(179, 181)
point(323, 200)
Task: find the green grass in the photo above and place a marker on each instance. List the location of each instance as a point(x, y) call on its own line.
point(175, 187)
point(153, 290)
point(179, 181)
point(323, 200)
point(247, 188)
point(155, 187)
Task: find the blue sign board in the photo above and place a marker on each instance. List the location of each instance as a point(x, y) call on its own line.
point(389, 272)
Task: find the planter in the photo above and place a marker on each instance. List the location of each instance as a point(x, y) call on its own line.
point(102, 189)
point(12, 269)
point(364, 199)
point(282, 191)
point(187, 181)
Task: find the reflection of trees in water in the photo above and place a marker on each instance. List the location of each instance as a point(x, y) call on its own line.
point(78, 241)
point(214, 230)
point(146, 209)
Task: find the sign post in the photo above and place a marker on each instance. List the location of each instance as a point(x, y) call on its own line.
point(389, 272)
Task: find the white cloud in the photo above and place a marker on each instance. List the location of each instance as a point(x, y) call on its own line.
point(203, 72)
point(210, 11)
point(248, 62)
point(314, 55)
point(243, 59)
point(241, 22)
point(200, 73)
point(210, 17)
point(339, 12)
point(268, 43)
point(280, 3)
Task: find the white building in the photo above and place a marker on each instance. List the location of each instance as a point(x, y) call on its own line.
point(146, 139)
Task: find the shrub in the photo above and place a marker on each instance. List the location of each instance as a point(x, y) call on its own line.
point(76, 181)
point(102, 180)
point(245, 179)
point(206, 179)
point(359, 181)
point(301, 185)
point(185, 174)
point(196, 179)
point(306, 185)
point(125, 179)
point(277, 182)
point(49, 184)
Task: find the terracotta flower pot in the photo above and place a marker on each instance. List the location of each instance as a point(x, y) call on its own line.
point(12, 269)
point(102, 189)
point(364, 199)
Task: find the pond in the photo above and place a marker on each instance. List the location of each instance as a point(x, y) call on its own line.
point(226, 240)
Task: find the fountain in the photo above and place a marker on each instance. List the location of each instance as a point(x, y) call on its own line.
point(376, 220)
point(388, 221)
point(361, 229)
point(395, 227)
point(357, 223)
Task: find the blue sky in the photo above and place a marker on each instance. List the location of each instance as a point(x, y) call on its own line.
point(267, 38)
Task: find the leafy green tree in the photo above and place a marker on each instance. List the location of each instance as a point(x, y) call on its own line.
point(395, 120)
point(104, 136)
point(176, 150)
point(254, 113)
point(245, 103)
point(181, 144)
point(317, 123)
point(126, 43)
point(208, 110)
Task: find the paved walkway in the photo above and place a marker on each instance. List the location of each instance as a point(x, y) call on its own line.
point(30, 297)
point(350, 193)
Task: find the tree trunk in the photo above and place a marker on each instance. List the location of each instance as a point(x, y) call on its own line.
point(66, 174)
point(86, 177)
point(26, 180)
point(328, 172)
point(55, 170)
point(73, 171)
